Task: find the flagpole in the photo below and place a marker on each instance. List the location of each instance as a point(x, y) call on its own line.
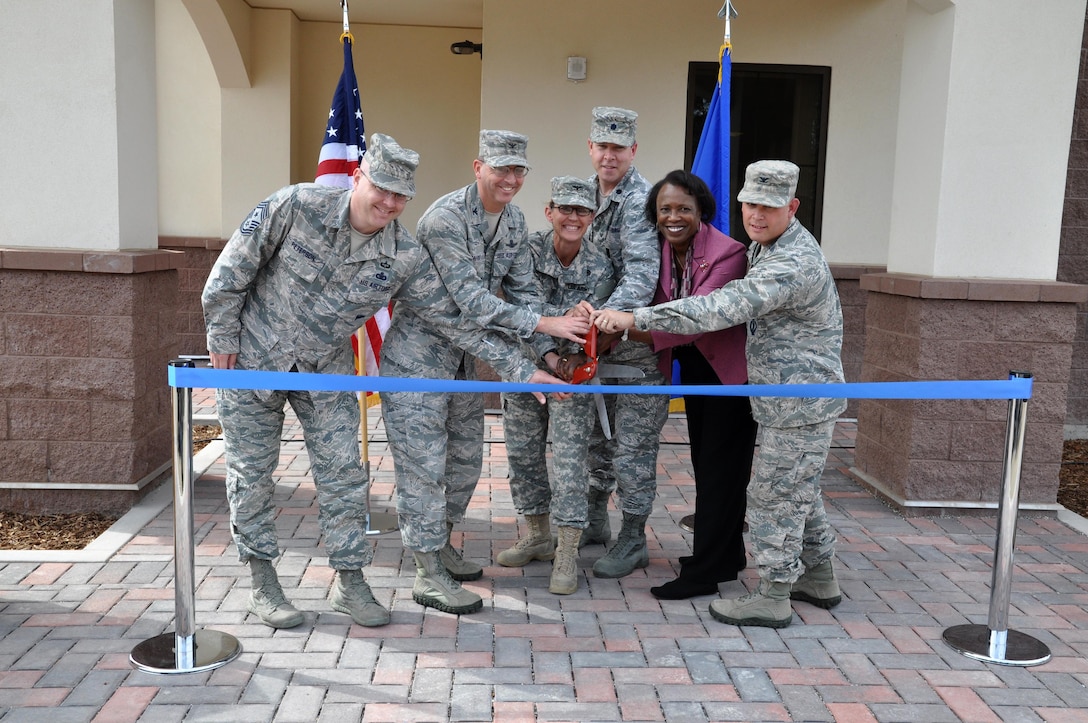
point(360, 369)
point(713, 151)
point(728, 12)
point(347, 28)
point(377, 523)
point(364, 451)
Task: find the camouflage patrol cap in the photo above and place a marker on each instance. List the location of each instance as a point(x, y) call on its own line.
point(613, 125)
point(574, 191)
point(769, 183)
point(503, 148)
point(392, 168)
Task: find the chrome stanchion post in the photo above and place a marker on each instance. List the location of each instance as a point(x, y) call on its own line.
point(186, 650)
point(994, 642)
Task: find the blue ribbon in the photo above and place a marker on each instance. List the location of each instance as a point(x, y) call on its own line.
point(204, 378)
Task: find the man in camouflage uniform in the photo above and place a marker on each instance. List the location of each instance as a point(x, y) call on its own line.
point(792, 307)
point(477, 240)
point(629, 459)
point(568, 273)
point(300, 275)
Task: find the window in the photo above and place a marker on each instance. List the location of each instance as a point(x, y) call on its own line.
point(776, 112)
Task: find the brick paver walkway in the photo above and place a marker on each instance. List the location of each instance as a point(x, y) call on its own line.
point(610, 652)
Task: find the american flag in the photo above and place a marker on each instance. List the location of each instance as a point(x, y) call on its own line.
point(344, 145)
point(345, 138)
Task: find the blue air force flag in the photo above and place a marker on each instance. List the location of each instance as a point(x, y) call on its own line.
point(712, 154)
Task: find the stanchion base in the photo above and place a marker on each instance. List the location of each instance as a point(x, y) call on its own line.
point(211, 649)
point(687, 523)
point(379, 523)
point(974, 642)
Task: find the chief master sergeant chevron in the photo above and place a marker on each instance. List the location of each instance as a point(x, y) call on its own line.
point(789, 300)
point(301, 274)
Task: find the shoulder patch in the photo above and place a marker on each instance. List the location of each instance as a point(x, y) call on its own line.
point(254, 219)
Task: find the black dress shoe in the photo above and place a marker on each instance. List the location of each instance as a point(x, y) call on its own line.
point(681, 589)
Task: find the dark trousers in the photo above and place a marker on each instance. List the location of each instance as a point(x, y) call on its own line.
point(723, 437)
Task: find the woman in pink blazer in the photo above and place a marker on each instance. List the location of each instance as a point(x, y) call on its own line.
point(697, 258)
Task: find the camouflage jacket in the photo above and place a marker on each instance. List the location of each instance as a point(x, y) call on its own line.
point(452, 231)
point(588, 278)
point(287, 293)
point(791, 305)
point(620, 228)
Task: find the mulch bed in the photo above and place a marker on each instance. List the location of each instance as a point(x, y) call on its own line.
point(1073, 477)
point(19, 531)
point(74, 532)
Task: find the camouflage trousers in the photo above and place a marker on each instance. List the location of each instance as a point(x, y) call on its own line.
point(628, 462)
point(525, 424)
point(437, 444)
point(252, 425)
point(786, 519)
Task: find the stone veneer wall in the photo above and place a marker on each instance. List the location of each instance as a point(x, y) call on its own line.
point(854, 300)
point(199, 254)
point(85, 337)
point(917, 452)
point(1073, 251)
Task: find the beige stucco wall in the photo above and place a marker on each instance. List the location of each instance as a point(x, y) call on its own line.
point(77, 113)
point(223, 150)
point(638, 57)
point(988, 91)
point(190, 128)
point(927, 164)
point(412, 88)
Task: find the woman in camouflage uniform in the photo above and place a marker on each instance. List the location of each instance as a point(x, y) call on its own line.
point(568, 273)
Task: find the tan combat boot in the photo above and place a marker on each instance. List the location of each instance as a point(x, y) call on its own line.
point(599, 529)
point(267, 600)
point(458, 567)
point(435, 588)
point(767, 606)
point(351, 594)
point(818, 586)
point(628, 553)
point(565, 568)
point(537, 545)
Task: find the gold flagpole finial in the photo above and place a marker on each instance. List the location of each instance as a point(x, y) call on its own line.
point(347, 28)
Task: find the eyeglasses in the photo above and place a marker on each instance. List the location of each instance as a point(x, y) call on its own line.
point(397, 197)
point(568, 210)
point(504, 171)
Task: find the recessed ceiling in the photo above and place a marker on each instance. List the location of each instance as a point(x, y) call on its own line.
point(438, 13)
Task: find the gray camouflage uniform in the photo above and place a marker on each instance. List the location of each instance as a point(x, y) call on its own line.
point(629, 459)
point(437, 438)
point(285, 295)
point(789, 300)
point(525, 421)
